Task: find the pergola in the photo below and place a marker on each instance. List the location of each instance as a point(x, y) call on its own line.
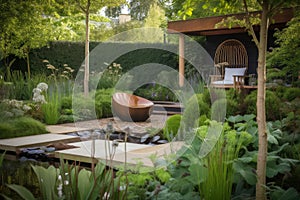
point(207, 27)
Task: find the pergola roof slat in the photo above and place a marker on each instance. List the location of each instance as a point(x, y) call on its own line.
point(206, 26)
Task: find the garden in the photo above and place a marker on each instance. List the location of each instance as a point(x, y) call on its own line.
point(38, 92)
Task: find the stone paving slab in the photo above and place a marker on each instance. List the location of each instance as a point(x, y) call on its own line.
point(62, 129)
point(137, 129)
point(14, 144)
point(135, 153)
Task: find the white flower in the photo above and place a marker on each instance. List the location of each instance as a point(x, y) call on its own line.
point(16, 103)
point(39, 98)
point(26, 108)
point(69, 69)
point(36, 91)
point(42, 86)
point(49, 66)
point(7, 114)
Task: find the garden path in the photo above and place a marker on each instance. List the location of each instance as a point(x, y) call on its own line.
point(58, 132)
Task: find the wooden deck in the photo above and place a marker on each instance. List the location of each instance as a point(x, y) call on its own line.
point(249, 87)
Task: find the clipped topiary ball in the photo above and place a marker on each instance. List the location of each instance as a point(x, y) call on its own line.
point(171, 127)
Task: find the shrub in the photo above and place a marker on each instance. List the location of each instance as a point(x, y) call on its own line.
point(206, 97)
point(22, 86)
point(291, 93)
point(103, 103)
point(156, 92)
point(67, 119)
point(66, 102)
point(202, 120)
point(273, 105)
point(83, 107)
point(22, 126)
point(218, 112)
point(51, 110)
point(189, 117)
point(171, 127)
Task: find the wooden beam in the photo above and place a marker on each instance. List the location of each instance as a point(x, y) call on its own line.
point(206, 26)
point(181, 60)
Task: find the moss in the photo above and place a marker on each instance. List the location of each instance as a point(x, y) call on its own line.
point(171, 127)
point(23, 126)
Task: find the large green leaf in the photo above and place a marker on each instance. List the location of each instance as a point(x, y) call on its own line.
point(47, 178)
point(250, 117)
point(22, 191)
point(273, 168)
point(235, 119)
point(85, 184)
point(289, 194)
point(198, 173)
point(246, 171)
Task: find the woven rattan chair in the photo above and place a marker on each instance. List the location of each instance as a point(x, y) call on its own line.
point(230, 54)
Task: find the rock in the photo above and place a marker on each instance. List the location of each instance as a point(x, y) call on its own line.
point(155, 138)
point(162, 142)
point(145, 138)
point(50, 149)
point(61, 146)
point(37, 151)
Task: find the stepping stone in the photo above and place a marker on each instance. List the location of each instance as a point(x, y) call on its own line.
point(135, 153)
point(14, 144)
point(64, 129)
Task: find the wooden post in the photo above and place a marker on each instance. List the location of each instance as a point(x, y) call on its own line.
point(181, 60)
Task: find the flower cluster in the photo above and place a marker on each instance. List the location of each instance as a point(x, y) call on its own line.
point(113, 72)
point(14, 108)
point(115, 69)
point(38, 97)
point(66, 73)
point(16, 104)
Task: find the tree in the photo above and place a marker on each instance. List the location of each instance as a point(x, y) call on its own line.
point(88, 7)
point(139, 9)
point(155, 17)
point(268, 9)
point(23, 27)
point(286, 55)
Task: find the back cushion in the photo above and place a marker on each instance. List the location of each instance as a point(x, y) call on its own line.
point(229, 72)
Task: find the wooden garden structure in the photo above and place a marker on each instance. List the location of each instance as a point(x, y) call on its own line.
point(221, 41)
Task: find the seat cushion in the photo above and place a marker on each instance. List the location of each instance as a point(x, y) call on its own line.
point(230, 72)
point(222, 82)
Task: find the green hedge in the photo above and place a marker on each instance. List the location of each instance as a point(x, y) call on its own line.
point(72, 53)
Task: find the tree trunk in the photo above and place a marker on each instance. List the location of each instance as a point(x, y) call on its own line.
point(87, 49)
point(28, 65)
point(261, 111)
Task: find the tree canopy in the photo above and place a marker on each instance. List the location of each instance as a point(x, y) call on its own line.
point(286, 55)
